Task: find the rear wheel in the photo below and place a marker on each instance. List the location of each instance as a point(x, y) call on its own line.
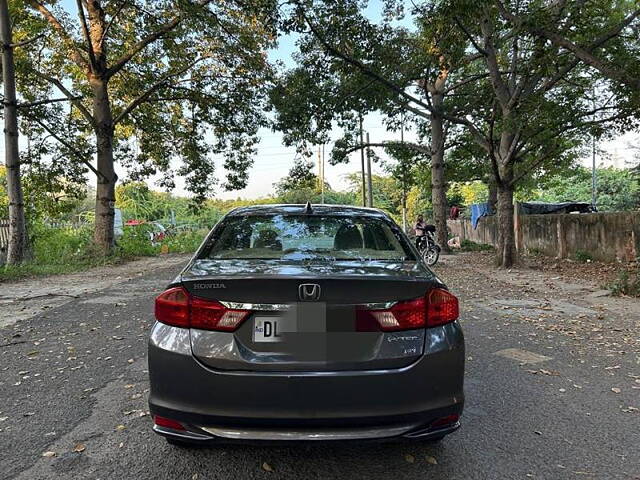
point(430, 256)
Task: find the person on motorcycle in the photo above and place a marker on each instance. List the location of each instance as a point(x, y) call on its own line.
point(419, 229)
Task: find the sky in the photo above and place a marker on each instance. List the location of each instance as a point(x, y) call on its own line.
point(273, 160)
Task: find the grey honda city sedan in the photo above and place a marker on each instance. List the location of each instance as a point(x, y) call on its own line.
point(314, 322)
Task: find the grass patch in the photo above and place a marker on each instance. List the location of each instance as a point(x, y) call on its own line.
point(59, 250)
point(469, 246)
point(626, 284)
point(582, 256)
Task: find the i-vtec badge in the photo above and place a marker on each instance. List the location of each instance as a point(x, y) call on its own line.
point(208, 286)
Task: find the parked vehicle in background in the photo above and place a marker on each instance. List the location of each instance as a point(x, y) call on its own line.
point(306, 323)
point(429, 249)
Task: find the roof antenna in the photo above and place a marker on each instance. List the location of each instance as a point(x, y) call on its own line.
point(307, 208)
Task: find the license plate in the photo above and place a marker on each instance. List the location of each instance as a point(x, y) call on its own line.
point(266, 329)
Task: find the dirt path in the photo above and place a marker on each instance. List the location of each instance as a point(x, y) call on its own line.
point(25, 298)
point(553, 300)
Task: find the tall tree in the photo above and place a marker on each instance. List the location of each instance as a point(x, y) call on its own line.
point(603, 35)
point(352, 66)
point(17, 223)
point(155, 81)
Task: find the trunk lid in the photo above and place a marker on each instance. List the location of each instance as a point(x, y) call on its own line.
point(316, 335)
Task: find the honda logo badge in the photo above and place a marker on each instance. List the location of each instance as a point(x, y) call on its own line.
point(309, 292)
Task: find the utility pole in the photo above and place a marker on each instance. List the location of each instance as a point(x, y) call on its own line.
point(17, 224)
point(593, 154)
point(319, 176)
point(404, 183)
point(322, 176)
point(369, 183)
point(364, 193)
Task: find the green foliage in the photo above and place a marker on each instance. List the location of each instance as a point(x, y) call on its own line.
point(583, 256)
point(301, 177)
point(627, 283)
point(467, 193)
point(136, 241)
point(65, 250)
point(186, 242)
point(185, 82)
point(469, 246)
point(617, 189)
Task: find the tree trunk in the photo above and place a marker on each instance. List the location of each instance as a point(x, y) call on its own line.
point(492, 200)
point(17, 224)
point(438, 193)
point(106, 183)
point(506, 254)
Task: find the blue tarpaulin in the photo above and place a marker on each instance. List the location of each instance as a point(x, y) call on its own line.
point(478, 211)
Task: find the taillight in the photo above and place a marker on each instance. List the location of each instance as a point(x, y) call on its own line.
point(445, 421)
point(176, 307)
point(172, 307)
point(211, 315)
point(437, 307)
point(167, 423)
point(442, 307)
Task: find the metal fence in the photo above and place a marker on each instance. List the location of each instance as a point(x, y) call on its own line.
point(4, 234)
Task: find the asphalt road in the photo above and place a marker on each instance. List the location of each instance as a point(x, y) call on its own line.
point(74, 377)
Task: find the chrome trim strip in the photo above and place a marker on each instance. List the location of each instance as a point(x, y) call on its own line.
point(185, 434)
point(311, 434)
point(283, 307)
point(265, 307)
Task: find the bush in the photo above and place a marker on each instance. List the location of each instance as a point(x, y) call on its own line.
point(65, 250)
point(583, 256)
point(185, 242)
point(627, 283)
point(136, 242)
point(469, 246)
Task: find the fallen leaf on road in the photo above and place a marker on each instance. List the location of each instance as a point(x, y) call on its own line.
point(409, 458)
point(49, 454)
point(120, 428)
point(266, 467)
point(79, 448)
point(432, 460)
point(616, 390)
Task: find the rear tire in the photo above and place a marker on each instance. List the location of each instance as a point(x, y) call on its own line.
point(431, 256)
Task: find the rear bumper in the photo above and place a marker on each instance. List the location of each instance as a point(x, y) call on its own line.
point(345, 405)
point(197, 434)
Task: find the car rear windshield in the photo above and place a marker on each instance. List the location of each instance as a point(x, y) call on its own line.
point(307, 237)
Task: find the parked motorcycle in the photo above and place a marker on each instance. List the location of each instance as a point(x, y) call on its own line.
point(427, 246)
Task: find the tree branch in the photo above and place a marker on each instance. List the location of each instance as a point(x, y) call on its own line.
point(150, 38)
point(73, 98)
point(581, 52)
point(75, 52)
point(145, 95)
point(46, 102)
point(85, 31)
point(27, 42)
point(71, 148)
point(414, 146)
